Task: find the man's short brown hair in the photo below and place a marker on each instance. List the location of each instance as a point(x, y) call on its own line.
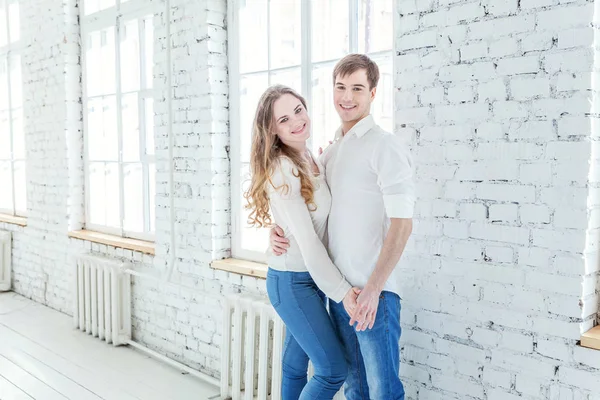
point(354, 62)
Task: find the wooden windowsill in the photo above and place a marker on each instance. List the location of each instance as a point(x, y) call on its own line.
point(591, 338)
point(116, 241)
point(11, 219)
point(242, 267)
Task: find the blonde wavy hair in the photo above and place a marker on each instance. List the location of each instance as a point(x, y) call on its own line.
point(267, 148)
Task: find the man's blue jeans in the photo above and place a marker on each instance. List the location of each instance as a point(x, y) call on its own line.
point(309, 334)
point(373, 355)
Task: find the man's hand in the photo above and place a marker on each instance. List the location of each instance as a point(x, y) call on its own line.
point(350, 300)
point(279, 244)
point(366, 308)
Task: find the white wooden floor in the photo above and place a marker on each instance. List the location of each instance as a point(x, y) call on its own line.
point(43, 357)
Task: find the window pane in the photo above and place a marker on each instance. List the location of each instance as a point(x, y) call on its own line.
point(149, 125)
point(3, 25)
point(104, 194)
point(6, 183)
point(375, 31)
point(92, 6)
point(130, 57)
point(97, 194)
point(152, 194)
point(383, 105)
point(3, 84)
point(16, 82)
point(288, 77)
point(18, 135)
point(4, 136)
point(251, 88)
point(93, 71)
point(133, 189)
point(253, 36)
point(131, 127)
point(102, 135)
point(20, 188)
point(253, 239)
point(100, 62)
point(285, 33)
point(104, 4)
point(149, 49)
point(330, 24)
point(325, 120)
point(14, 22)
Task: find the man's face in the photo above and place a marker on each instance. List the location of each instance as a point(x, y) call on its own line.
point(352, 96)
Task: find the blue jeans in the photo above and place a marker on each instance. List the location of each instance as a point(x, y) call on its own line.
point(373, 355)
point(310, 334)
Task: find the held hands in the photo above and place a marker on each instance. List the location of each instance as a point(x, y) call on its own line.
point(365, 310)
point(279, 244)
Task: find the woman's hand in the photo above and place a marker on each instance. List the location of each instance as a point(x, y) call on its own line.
point(279, 244)
point(321, 149)
point(349, 300)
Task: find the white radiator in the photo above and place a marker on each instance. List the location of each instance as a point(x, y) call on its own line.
point(5, 264)
point(251, 350)
point(102, 298)
point(252, 332)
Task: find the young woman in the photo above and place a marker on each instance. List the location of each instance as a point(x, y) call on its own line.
point(288, 181)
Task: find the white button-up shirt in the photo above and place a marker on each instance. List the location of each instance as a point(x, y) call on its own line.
point(369, 172)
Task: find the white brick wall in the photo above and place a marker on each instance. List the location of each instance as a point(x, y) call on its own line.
point(52, 124)
point(496, 96)
point(494, 268)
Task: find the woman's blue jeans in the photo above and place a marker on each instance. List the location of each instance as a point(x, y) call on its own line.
point(310, 334)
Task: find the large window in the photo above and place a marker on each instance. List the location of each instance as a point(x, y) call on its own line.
point(119, 118)
point(297, 43)
point(12, 137)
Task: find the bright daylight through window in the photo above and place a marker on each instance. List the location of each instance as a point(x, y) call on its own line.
point(13, 196)
point(118, 40)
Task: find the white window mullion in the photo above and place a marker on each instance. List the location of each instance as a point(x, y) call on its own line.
point(234, 150)
point(353, 28)
point(11, 132)
point(86, 161)
point(118, 31)
point(142, 125)
point(6, 27)
point(269, 41)
point(10, 107)
point(306, 59)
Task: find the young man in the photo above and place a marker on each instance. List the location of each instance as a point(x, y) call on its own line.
point(370, 176)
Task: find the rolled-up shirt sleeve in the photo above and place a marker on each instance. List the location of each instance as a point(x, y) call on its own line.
point(287, 197)
point(393, 165)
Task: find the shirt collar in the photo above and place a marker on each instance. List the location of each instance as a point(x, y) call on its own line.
point(363, 126)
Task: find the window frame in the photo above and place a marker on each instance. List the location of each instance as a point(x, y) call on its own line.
point(306, 67)
point(115, 17)
point(8, 51)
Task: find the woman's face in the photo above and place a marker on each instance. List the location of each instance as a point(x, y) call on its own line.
point(291, 120)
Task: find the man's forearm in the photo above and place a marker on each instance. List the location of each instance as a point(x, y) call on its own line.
point(393, 247)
